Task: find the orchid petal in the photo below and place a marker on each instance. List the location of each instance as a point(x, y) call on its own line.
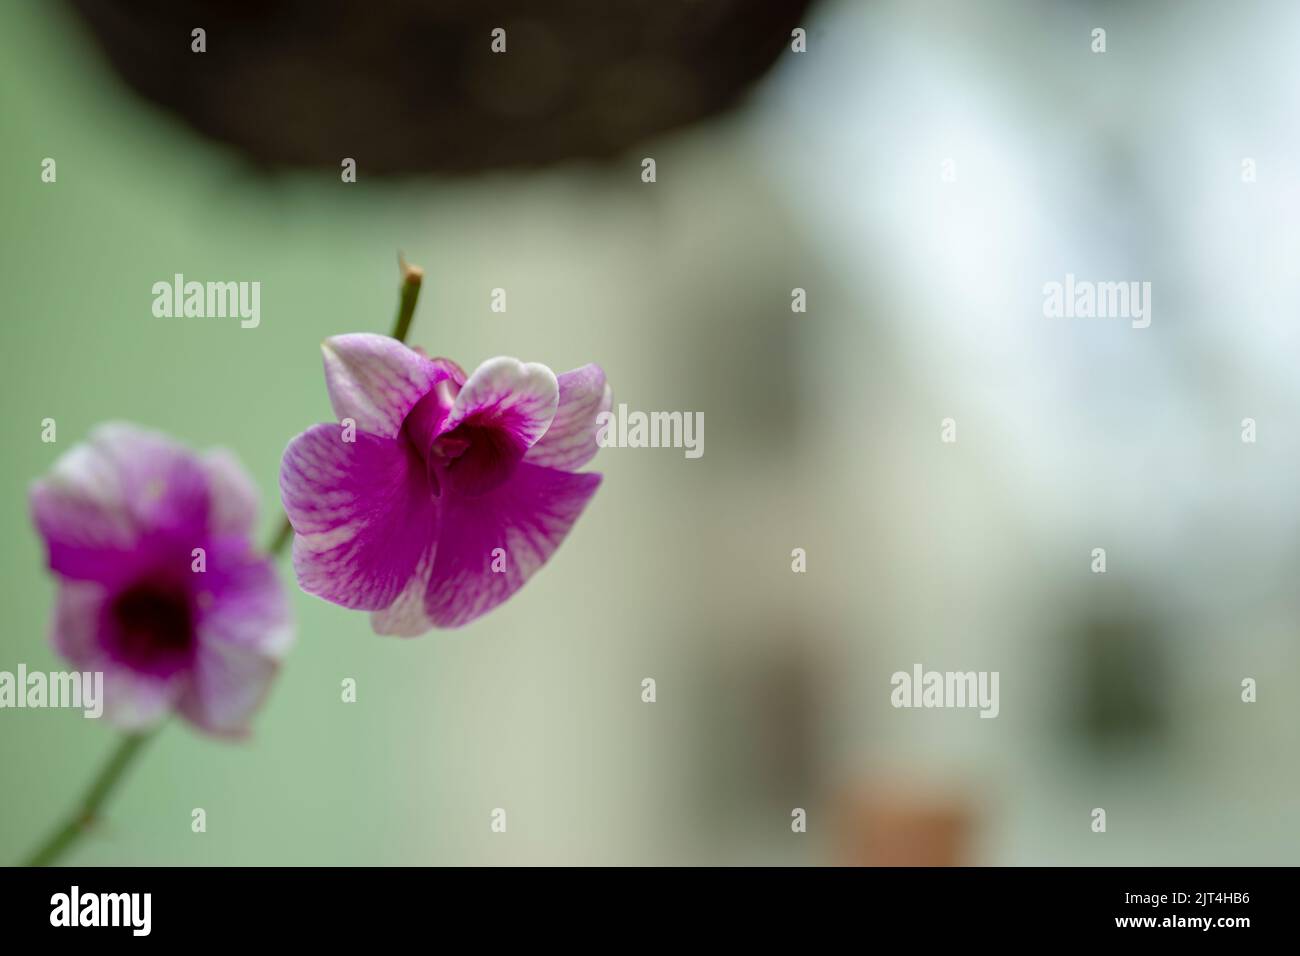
point(228, 683)
point(406, 616)
point(135, 701)
point(103, 497)
point(375, 380)
point(74, 628)
point(527, 517)
point(362, 513)
point(570, 442)
point(245, 606)
point(518, 397)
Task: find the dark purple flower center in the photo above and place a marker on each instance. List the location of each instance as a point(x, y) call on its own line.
point(151, 628)
point(473, 458)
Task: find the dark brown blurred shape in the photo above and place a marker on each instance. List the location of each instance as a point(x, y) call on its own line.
point(903, 826)
point(409, 87)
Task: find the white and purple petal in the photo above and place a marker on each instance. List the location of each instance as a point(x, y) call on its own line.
point(108, 505)
point(361, 512)
point(79, 607)
point(135, 701)
point(376, 380)
point(240, 602)
point(527, 517)
point(227, 684)
point(406, 616)
point(518, 398)
point(570, 442)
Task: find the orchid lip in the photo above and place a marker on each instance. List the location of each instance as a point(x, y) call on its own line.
point(472, 458)
point(151, 627)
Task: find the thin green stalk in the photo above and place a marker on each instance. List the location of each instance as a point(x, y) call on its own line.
point(87, 811)
point(412, 277)
point(282, 537)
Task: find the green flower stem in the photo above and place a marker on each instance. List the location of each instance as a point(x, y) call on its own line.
point(412, 278)
point(129, 746)
point(87, 812)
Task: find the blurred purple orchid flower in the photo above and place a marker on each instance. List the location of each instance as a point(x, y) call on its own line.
point(159, 586)
point(449, 491)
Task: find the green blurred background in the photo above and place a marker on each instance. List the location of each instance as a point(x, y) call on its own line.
point(1119, 691)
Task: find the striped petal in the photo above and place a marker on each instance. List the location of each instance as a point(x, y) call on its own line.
point(505, 393)
point(570, 442)
point(526, 518)
point(362, 515)
point(375, 380)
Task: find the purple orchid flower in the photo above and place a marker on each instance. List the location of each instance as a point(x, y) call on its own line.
point(171, 627)
point(449, 492)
